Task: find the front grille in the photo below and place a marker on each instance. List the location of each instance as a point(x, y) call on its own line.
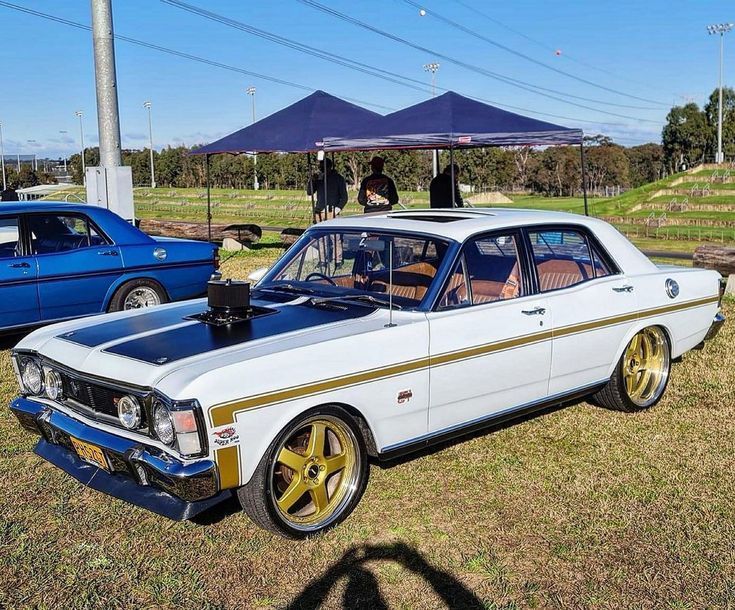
point(102, 400)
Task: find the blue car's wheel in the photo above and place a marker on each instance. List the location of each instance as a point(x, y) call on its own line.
point(137, 294)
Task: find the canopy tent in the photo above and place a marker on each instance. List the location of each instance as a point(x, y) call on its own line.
point(453, 121)
point(298, 128)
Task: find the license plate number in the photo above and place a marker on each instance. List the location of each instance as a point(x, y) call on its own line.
point(91, 454)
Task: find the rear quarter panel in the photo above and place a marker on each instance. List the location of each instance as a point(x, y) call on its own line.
point(685, 317)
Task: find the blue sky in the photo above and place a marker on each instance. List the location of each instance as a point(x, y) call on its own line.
point(658, 50)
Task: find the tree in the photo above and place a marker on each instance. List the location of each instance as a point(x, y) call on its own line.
point(687, 137)
point(646, 163)
point(607, 165)
point(711, 111)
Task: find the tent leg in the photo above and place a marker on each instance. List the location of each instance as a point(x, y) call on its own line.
point(584, 178)
point(209, 199)
point(313, 207)
point(451, 172)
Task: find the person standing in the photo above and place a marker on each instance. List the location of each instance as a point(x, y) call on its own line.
point(331, 199)
point(440, 189)
point(377, 191)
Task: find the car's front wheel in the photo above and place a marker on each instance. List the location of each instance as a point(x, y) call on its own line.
point(641, 375)
point(311, 477)
point(137, 294)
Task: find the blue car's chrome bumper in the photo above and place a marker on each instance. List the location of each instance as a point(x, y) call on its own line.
point(139, 474)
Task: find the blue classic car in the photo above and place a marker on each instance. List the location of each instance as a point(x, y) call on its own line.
point(60, 260)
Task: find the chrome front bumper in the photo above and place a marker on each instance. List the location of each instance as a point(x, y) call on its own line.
point(715, 328)
point(140, 474)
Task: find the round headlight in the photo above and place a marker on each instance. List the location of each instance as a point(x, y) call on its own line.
point(32, 377)
point(128, 411)
point(54, 387)
point(162, 423)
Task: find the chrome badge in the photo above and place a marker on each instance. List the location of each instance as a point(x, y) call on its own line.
point(672, 288)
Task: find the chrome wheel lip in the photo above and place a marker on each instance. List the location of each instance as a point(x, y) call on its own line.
point(140, 297)
point(633, 362)
point(350, 487)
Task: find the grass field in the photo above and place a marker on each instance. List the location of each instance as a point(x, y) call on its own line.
point(576, 508)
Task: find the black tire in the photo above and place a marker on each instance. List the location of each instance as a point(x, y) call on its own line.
point(258, 497)
point(117, 302)
point(616, 396)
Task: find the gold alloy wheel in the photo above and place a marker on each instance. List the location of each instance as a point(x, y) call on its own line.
point(315, 472)
point(646, 366)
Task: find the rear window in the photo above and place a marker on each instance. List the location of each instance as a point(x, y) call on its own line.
point(565, 257)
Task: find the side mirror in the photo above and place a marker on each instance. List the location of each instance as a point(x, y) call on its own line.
point(257, 275)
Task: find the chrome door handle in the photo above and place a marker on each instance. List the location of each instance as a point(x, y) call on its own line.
point(19, 265)
point(108, 253)
point(537, 311)
point(626, 288)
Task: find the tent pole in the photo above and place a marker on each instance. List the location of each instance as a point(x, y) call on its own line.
point(451, 171)
point(313, 209)
point(209, 200)
point(584, 178)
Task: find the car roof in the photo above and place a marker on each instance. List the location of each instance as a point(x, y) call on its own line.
point(19, 207)
point(461, 223)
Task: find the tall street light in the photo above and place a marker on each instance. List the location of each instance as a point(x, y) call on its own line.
point(721, 29)
point(35, 161)
point(150, 136)
point(251, 92)
point(64, 132)
point(80, 114)
point(433, 67)
point(2, 157)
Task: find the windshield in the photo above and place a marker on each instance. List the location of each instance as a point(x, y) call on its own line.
point(351, 263)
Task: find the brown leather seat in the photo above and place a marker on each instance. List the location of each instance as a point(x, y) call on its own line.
point(555, 274)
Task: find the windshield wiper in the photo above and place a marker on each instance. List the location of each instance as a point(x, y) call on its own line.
point(365, 298)
point(287, 288)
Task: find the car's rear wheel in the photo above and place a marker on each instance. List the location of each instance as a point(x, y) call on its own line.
point(311, 477)
point(642, 374)
point(137, 294)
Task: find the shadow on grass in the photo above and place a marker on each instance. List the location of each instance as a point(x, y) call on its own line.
point(10, 341)
point(362, 590)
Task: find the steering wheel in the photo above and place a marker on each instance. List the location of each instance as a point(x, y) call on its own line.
point(321, 276)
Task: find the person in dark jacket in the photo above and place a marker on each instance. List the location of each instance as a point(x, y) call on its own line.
point(336, 191)
point(377, 191)
point(440, 189)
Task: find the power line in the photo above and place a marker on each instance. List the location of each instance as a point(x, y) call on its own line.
point(494, 75)
point(180, 54)
point(543, 45)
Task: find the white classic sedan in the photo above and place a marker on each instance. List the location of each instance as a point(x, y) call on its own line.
point(372, 337)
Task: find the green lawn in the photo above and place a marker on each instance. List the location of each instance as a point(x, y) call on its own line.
point(576, 508)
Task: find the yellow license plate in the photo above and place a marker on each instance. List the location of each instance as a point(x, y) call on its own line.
point(91, 454)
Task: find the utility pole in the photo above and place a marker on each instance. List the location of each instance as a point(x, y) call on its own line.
point(433, 67)
point(2, 157)
point(80, 114)
point(63, 132)
point(721, 29)
point(150, 136)
point(34, 165)
point(251, 92)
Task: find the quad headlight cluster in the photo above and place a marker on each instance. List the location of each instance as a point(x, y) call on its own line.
point(173, 423)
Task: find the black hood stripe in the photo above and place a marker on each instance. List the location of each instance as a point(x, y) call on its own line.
point(186, 341)
point(98, 334)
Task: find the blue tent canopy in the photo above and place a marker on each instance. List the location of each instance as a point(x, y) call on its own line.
point(299, 127)
point(450, 121)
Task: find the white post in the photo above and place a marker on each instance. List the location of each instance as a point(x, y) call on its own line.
point(80, 114)
point(433, 68)
point(150, 137)
point(251, 92)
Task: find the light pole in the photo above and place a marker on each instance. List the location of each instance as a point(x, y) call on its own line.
point(80, 114)
point(433, 67)
point(251, 92)
point(63, 132)
point(721, 29)
point(35, 161)
point(150, 136)
point(2, 157)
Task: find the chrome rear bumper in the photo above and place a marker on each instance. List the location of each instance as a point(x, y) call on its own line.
point(139, 474)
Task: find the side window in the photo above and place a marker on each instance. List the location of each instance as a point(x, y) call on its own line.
point(9, 236)
point(491, 267)
point(53, 233)
point(565, 257)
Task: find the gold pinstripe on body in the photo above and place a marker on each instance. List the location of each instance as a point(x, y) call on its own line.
point(224, 413)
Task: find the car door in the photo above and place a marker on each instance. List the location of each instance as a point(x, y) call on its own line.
point(593, 305)
point(490, 336)
point(77, 264)
point(18, 289)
